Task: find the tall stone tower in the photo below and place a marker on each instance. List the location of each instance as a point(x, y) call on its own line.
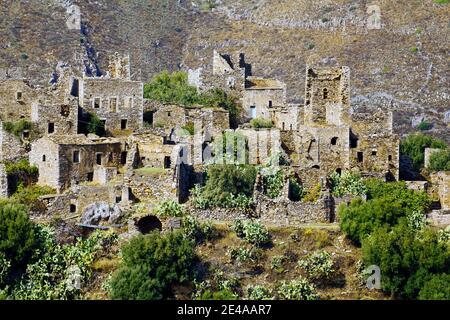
point(327, 97)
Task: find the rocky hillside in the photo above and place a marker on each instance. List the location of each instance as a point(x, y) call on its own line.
point(403, 65)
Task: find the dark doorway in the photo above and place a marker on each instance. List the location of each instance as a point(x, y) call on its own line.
point(148, 224)
point(167, 162)
point(123, 157)
point(98, 159)
point(360, 156)
point(51, 127)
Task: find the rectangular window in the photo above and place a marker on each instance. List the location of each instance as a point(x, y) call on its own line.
point(253, 112)
point(270, 103)
point(390, 158)
point(97, 102)
point(25, 134)
point(123, 124)
point(44, 158)
point(19, 96)
point(51, 128)
point(98, 158)
point(360, 157)
point(76, 156)
point(374, 152)
point(113, 104)
point(90, 176)
point(73, 208)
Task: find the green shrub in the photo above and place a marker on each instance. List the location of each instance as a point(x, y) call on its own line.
point(244, 255)
point(259, 292)
point(259, 123)
point(17, 128)
point(252, 232)
point(414, 147)
point(228, 186)
point(277, 263)
point(196, 231)
point(299, 289)
point(17, 233)
point(168, 208)
point(424, 126)
point(189, 127)
point(437, 288)
point(361, 218)
point(223, 295)
point(318, 265)
point(90, 123)
point(21, 167)
point(313, 194)
point(5, 266)
point(151, 265)
point(409, 200)
point(407, 259)
point(440, 160)
point(55, 270)
point(174, 88)
point(29, 196)
point(273, 184)
point(347, 183)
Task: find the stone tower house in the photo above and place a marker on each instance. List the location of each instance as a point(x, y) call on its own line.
point(327, 96)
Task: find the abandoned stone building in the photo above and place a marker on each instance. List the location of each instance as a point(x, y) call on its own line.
point(164, 159)
point(67, 160)
point(154, 149)
point(55, 118)
point(17, 97)
point(260, 97)
point(114, 98)
point(12, 147)
point(323, 135)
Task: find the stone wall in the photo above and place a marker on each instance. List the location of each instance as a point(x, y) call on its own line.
point(11, 147)
point(67, 160)
point(16, 97)
point(74, 201)
point(169, 116)
point(287, 118)
point(117, 101)
point(441, 181)
point(262, 100)
point(374, 147)
point(281, 213)
point(154, 149)
point(3, 182)
point(153, 187)
point(428, 153)
point(327, 96)
point(262, 144)
point(56, 119)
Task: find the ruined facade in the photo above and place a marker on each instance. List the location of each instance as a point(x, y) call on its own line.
point(115, 99)
point(55, 118)
point(64, 161)
point(17, 97)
